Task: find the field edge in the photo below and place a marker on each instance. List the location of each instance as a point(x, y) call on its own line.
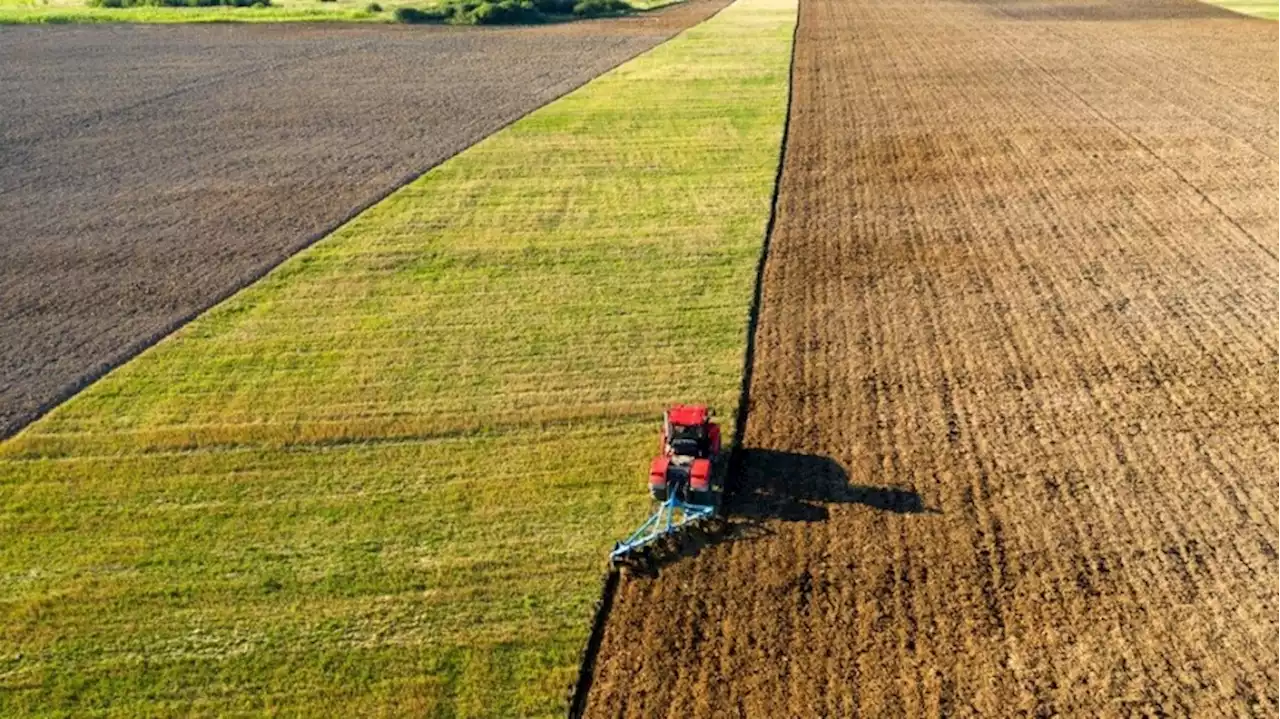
point(9, 429)
point(717, 235)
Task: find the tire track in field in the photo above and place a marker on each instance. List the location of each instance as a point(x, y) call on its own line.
point(1012, 435)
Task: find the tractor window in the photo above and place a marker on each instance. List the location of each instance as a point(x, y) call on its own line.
point(682, 431)
point(688, 440)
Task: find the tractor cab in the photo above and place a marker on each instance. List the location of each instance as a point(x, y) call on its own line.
point(690, 446)
point(687, 431)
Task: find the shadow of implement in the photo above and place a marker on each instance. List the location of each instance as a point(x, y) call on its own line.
point(767, 485)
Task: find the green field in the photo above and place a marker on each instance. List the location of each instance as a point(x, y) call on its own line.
point(385, 479)
point(69, 11)
point(75, 11)
point(1268, 9)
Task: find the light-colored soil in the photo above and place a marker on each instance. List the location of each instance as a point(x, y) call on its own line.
point(1013, 417)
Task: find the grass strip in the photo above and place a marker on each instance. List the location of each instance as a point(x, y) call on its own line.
point(384, 479)
point(1266, 9)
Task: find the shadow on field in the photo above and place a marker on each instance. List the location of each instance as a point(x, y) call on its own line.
point(769, 485)
point(798, 488)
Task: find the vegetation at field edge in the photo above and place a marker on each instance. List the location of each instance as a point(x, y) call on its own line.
point(385, 478)
point(510, 12)
point(82, 11)
point(252, 11)
point(1268, 9)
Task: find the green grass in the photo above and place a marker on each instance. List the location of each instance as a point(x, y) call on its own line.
point(384, 480)
point(1268, 9)
point(75, 11)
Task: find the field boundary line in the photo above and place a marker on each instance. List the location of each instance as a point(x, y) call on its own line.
point(135, 349)
point(609, 590)
point(757, 296)
point(587, 667)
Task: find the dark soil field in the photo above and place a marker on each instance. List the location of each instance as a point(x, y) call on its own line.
point(1012, 428)
point(148, 171)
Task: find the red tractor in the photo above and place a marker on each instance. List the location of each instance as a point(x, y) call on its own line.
point(685, 478)
point(689, 450)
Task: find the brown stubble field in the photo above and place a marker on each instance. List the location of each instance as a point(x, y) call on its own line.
point(1012, 428)
point(147, 172)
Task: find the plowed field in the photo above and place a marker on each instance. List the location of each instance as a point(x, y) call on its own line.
point(147, 172)
point(1012, 430)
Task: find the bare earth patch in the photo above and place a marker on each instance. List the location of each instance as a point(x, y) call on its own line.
point(1012, 433)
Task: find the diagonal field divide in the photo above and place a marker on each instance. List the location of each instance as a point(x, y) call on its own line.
point(383, 479)
point(148, 173)
point(1011, 435)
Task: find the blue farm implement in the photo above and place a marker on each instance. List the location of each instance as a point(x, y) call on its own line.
point(684, 480)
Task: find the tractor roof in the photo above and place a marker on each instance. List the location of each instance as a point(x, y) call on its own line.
point(688, 414)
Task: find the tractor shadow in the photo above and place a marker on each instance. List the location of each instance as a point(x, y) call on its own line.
point(795, 487)
point(768, 486)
